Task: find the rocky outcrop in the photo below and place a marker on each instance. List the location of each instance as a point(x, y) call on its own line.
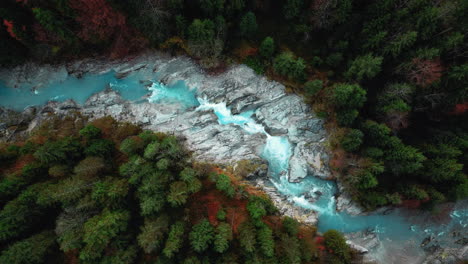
point(242, 90)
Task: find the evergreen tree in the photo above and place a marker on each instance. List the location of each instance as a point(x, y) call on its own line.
point(266, 241)
point(248, 25)
point(364, 67)
point(222, 237)
point(32, 250)
point(267, 48)
point(152, 233)
point(174, 240)
point(201, 236)
point(247, 236)
point(100, 230)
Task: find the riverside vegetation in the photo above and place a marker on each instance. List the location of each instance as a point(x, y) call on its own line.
point(389, 76)
point(108, 192)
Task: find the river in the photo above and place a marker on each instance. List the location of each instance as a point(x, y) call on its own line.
point(400, 232)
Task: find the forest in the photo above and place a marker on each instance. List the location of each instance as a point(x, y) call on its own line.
point(108, 192)
point(390, 77)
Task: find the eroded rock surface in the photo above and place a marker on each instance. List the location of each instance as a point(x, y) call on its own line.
point(281, 114)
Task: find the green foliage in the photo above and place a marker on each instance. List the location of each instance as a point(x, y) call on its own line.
point(290, 225)
point(52, 23)
point(70, 228)
point(335, 241)
point(59, 171)
point(267, 48)
point(90, 132)
point(100, 230)
point(178, 194)
point(221, 215)
point(248, 25)
point(286, 65)
point(352, 140)
point(91, 166)
point(110, 192)
point(212, 7)
point(247, 236)
point(58, 151)
point(266, 241)
point(222, 237)
point(414, 192)
point(313, 87)
point(174, 240)
point(372, 200)
point(289, 247)
point(32, 250)
point(201, 31)
point(401, 43)
point(255, 64)
point(223, 183)
point(364, 67)
point(131, 145)
point(292, 8)
point(334, 60)
point(152, 151)
point(349, 96)
point(202, 236)
point(100, 148)
point(19, 215)
point(152, 233)
point(104, 217)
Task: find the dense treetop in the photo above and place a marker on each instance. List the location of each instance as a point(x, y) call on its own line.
point(390, 77)
point(107, 192)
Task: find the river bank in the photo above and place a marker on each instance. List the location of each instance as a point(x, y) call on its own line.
point(224, 119)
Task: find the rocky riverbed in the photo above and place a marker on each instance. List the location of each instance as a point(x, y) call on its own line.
point(280, 114)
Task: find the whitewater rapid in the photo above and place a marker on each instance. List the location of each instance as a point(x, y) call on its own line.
point(399, 229)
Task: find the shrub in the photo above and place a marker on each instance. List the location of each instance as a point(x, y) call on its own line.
point(336, 242)
point(248, 25)
point(267, 48)
point(313, 87)
point(59, 171)
point(255, 64)
point(132, 145)
point(290, 225)
point(90, 132)
point(286, 65)
point(100, 148)
point(201, 236)
point(352, 140)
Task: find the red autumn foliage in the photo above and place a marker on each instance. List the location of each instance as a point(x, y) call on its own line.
point(339, 159)
point(460, 109)
point(98, 19)
point(210, 201)
point(424, 72)
point(44, 36)
point(21, 162)
point(319, 240)
point(213, 208)
point(100, 22)
point(10, 28)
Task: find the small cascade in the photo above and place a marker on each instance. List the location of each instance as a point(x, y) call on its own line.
point(311, 193)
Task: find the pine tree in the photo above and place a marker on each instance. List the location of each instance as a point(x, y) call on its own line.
point(174, 240)
point(222, 237)
point(201, 236)
point(32, 250)
point(152, 233)
point(248, 25)
point(267, 48)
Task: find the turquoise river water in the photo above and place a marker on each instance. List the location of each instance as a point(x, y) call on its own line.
point(399, 229)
